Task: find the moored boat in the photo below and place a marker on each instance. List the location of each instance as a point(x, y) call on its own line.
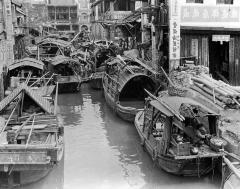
point(30, 71)
point(66, 68)
point(31, 137)
point(169, 129)
point(101, 54)
point(124, 82)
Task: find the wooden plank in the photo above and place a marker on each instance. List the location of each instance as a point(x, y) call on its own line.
point(17, 158)
point(30, 147)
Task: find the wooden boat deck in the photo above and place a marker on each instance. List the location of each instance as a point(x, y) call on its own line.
point(204, 152)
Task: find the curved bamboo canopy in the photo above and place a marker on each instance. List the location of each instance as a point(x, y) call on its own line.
point(26, 62)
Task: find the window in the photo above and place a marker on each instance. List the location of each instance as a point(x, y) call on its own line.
point(224, 1)
point(194, 1)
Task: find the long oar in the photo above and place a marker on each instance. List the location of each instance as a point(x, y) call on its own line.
point(30, 134)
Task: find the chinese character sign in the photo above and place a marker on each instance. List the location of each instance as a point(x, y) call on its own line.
point(174, 38)
point(209, 14)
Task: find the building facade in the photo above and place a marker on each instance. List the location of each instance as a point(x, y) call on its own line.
point(63, 15)
point(108, 10)
point(84, 14)
point(37, 13)
point(210, 34)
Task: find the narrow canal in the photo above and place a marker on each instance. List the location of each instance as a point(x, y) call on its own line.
point(103, 152)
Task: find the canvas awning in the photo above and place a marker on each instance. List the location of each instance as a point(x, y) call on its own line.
point(26, 62)
point(175, 103)
point(34, 95)
point(161, 108)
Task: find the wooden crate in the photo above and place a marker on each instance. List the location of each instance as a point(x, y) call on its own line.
point(182, 149)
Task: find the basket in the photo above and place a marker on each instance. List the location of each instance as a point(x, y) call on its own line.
point(217, 144)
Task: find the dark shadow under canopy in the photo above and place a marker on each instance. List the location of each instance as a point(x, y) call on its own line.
point(134, 89)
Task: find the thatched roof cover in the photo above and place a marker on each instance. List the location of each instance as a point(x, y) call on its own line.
point(26, 62)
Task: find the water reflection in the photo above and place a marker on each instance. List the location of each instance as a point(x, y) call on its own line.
point(102, 151)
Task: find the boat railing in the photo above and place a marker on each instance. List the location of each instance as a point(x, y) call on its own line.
point(15, 81)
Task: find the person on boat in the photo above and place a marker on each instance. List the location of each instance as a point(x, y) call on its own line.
point(201, 135)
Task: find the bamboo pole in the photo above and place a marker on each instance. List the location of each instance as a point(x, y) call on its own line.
point(217, 95)
point(20, 128)
point(232, 167)
point(49, 79)
point(210, 85)
point(30, 134)
point(10, 117)
point(220, 85)
point(206, 95)
point(169, 80)
point(28, 78)
point(231, 155)
point(56, 100)
point(39, 79)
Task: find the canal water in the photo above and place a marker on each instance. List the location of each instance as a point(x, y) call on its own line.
point(104, 152)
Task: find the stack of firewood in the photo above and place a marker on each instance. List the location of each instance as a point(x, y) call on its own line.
point(220, 93)
point(197, 78)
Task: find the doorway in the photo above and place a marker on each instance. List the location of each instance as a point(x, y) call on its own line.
point(219, 60)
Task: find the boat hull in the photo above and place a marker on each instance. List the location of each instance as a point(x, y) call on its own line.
point(125, 113)
point(190, 167)
point(23, 174)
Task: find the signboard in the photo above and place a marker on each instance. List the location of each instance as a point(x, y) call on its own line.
point(221, 38)
point(210, 14)
point(174, 39)
point(23, 158)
